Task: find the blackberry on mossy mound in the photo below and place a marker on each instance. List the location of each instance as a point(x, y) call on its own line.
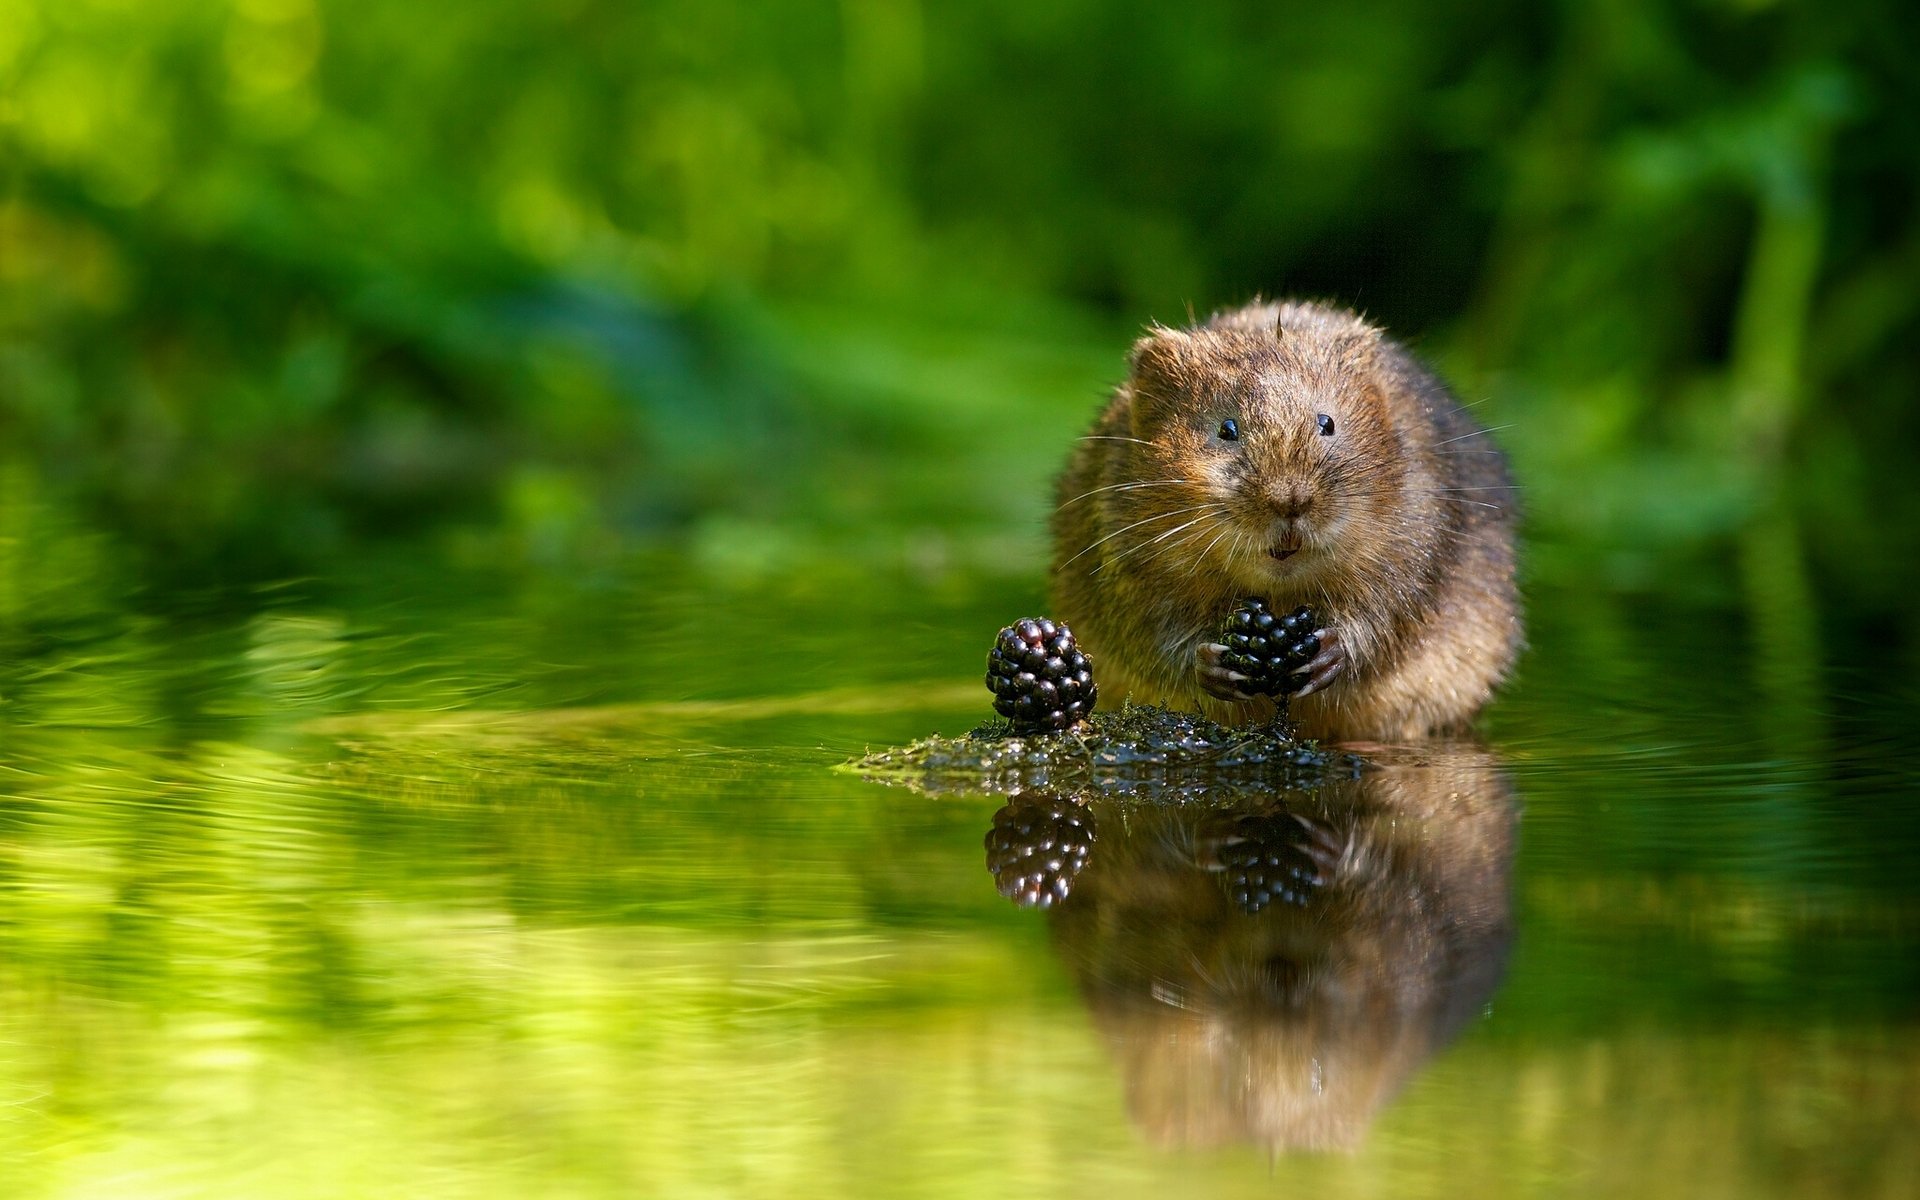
point(1041, 681)
point(1036, 847)
point(1268, 649)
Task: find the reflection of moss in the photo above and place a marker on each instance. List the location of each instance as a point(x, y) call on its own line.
point(1142, 751)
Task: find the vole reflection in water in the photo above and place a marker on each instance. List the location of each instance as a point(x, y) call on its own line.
point(1273, 967)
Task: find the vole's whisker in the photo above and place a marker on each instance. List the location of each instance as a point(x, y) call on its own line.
point(1122, 487)
point(1453, 496)
point(1181, 543)
point(1476, 433)
point(1443, 493)
point(1108, 437)
point(1194, 567)
point(1134, 549)
point(1158, 538)
point(1142, 521)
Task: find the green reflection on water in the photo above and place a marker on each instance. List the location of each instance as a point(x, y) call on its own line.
point(472, 886)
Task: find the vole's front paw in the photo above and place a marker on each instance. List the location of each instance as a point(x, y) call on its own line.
point(1265, 857)
point(1325, 667)
point(1328, 849)
point(1215, 679)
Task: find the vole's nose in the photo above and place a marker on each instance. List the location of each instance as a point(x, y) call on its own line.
point(1291, 501)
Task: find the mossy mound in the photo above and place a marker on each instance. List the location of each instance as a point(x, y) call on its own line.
point(1142, 752)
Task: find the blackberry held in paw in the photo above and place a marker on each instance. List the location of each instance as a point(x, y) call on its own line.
point(1268, 857)
point(1293, 452)
point(1040, 679)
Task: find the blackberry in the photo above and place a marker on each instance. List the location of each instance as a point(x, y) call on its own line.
point(1040, 680)
point(1268, 649)
point(1036, 847)
point(1266, 857)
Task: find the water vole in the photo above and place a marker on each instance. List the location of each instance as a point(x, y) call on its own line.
point(1295, 453)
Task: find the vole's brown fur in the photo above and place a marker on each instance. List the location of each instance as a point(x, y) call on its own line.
point(1397, 528)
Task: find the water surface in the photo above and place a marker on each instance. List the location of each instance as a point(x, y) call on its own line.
point(426, 881)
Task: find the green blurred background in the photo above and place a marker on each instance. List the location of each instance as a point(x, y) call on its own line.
point(773, 282)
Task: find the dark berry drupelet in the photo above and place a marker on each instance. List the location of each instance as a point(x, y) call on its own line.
point(1036, 847)
point(1268, 649)
point(1040, 680)
point(1268, 857)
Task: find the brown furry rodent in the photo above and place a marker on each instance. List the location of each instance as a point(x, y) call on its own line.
point(1295, 453)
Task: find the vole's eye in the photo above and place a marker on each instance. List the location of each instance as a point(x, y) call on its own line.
point(1229, 430)
point(1326, 425)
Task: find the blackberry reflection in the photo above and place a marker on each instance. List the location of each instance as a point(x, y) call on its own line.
point(1273, 966)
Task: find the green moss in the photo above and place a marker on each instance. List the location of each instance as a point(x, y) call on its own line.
point(1140, 752)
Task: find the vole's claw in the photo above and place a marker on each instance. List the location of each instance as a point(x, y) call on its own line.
point(1326, 666)
point(1215, 679)
point(1326, 848)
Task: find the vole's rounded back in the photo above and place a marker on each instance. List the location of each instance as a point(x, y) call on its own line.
point(1295, 453)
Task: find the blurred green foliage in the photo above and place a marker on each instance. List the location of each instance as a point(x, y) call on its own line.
point(280, 275)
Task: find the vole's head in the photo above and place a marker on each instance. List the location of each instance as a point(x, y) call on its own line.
point(1277, 426)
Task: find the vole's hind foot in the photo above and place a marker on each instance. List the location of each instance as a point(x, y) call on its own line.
point(1215, 679)
point(1325, 667)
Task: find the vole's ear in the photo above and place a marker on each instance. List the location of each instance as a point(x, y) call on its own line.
point(1157, 372)
point(1159, 354)
point(1359, 350)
